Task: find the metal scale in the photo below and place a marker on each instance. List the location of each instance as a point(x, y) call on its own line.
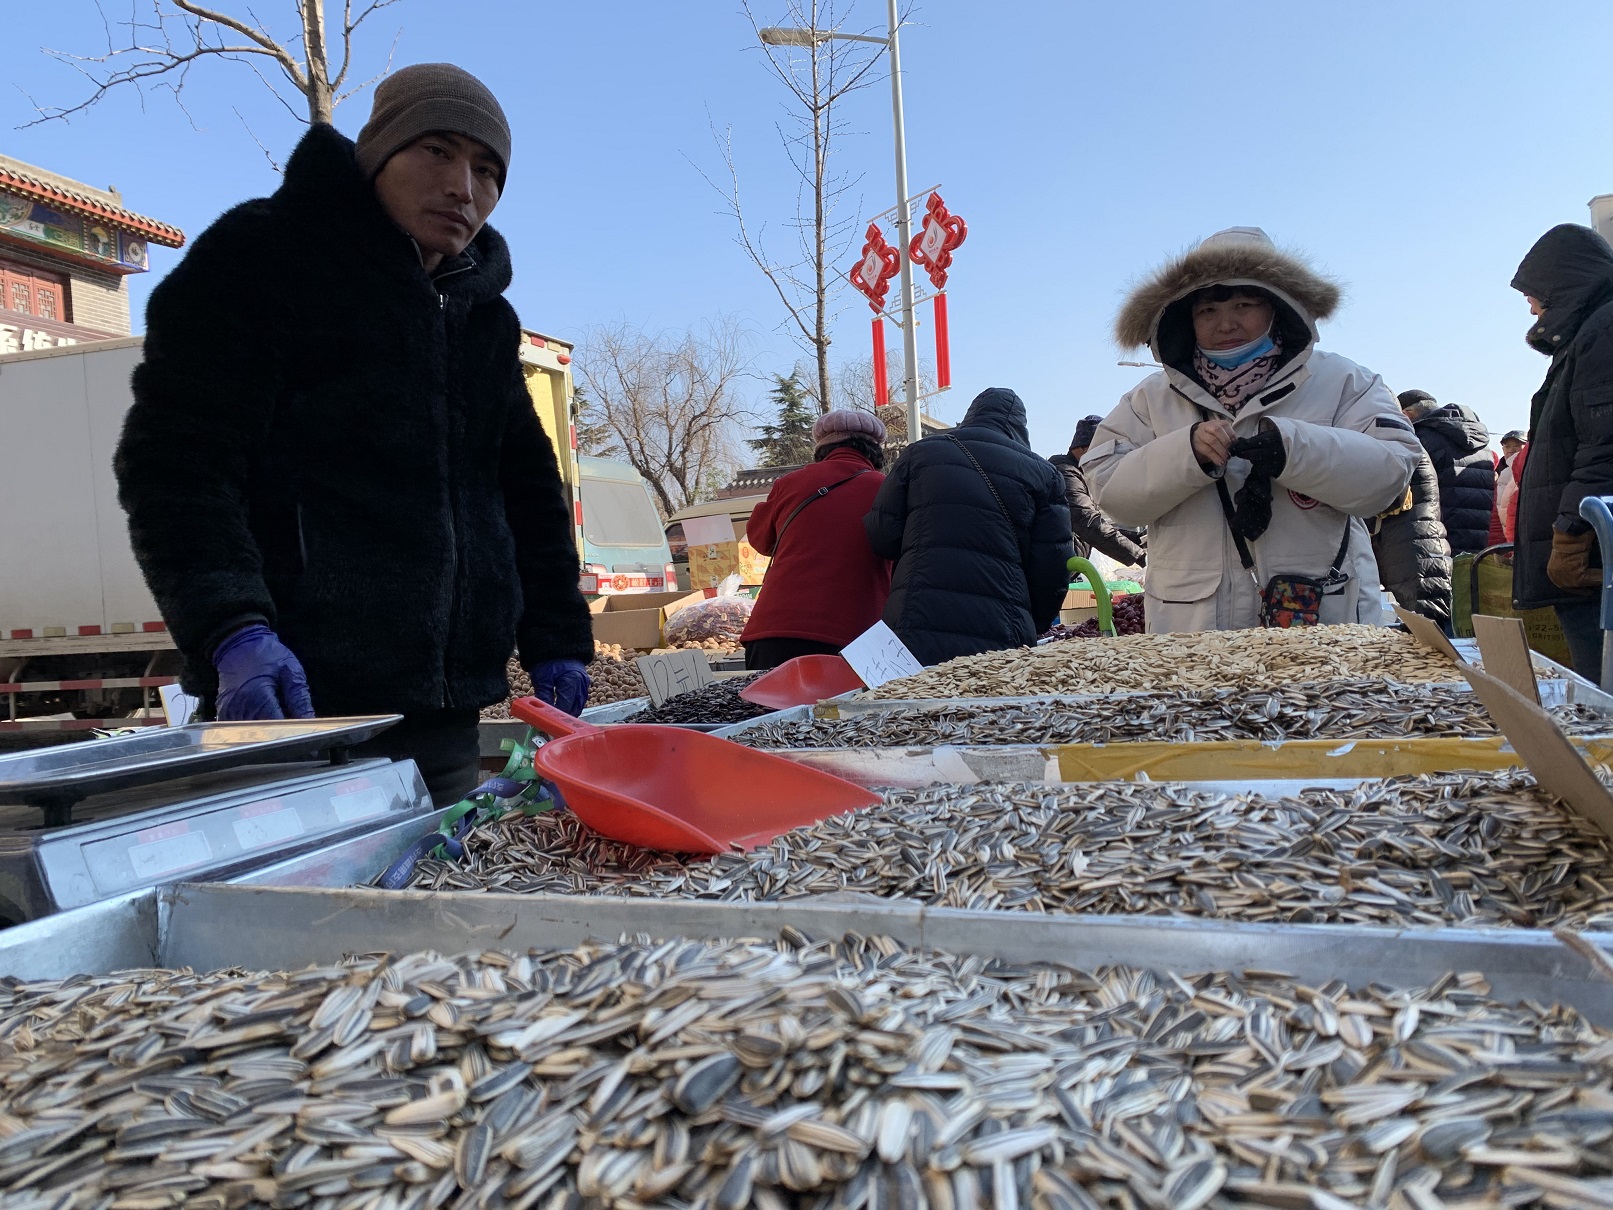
point(83, 822)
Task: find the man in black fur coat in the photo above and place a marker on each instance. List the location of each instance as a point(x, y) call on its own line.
point(336, 484)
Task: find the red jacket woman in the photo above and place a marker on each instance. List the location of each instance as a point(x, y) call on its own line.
point(825, 585)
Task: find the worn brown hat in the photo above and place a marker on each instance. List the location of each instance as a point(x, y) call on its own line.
point(426, 97)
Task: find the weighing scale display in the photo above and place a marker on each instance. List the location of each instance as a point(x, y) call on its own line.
point(232, 830)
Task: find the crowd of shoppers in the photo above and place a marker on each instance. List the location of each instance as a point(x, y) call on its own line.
point(369, 524)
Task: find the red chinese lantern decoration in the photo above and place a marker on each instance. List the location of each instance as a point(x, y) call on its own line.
point(872, 276)
point(932, 247)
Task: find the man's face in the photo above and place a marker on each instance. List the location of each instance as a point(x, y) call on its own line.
point(441, 189)
point(1536, 307)
point(1510, 448)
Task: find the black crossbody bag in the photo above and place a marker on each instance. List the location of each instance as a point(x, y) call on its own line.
point(1285, 600)
point(815, 496)
point(1019, 539)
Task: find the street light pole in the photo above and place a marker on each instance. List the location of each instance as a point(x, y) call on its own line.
point(904, 238)
point(790, 36)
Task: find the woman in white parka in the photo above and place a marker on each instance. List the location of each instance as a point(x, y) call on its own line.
point(1250, 455)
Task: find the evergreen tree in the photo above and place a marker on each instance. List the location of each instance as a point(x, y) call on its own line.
point(788, 440)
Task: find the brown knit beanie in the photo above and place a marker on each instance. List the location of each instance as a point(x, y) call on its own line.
point(426, 97)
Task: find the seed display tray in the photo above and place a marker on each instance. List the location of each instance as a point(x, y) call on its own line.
point(208, 926)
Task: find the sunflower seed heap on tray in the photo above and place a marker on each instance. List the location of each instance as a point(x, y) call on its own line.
point(828, 1075)
point(718, 702)
point(1361, 709)
point(613, 677)
point(1245, 659)
point(1438, 849)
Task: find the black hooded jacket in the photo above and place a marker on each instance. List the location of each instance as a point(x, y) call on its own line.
point(1570, 270)
point(1089, 528)
point(967, 578)
point(327, 439)
point(1459, 446)
point(1414, 558)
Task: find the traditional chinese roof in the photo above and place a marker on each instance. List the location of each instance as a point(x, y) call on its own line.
point(61, 198)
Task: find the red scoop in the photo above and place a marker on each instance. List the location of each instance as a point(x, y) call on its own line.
point(670, 788)
point(803, 681)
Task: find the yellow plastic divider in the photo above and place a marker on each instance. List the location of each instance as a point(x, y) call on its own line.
point(1231, 760)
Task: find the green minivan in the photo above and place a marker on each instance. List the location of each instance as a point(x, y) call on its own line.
point(623, 547)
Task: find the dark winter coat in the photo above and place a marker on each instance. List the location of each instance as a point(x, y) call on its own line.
point(1414, 558)
point(967, 579)
point(1459, 446)
point(825, 583)
point(1570, 270)
point(1089, 528)
point(327, 439)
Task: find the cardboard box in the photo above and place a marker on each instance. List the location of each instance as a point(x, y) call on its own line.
point(635, 620)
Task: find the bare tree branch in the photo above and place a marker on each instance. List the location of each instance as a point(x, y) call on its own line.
point(165, 38)
point(668, 404)
point(816, 79)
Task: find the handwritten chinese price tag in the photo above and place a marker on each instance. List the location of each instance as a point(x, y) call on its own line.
point(669, 673)
point(877, 656)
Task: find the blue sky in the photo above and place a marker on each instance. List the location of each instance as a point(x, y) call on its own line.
point(1413, 149)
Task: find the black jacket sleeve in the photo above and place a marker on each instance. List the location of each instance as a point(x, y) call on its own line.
point(1089, 524)
point(1050, 551)
point(555, 622)
point(203, 399)
point(1590, 401)
point(886, 522)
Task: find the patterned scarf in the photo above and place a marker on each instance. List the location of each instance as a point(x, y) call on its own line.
point(1233, 387)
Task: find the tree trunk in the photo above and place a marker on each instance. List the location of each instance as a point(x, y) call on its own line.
point(820, 298)
point(321, 97)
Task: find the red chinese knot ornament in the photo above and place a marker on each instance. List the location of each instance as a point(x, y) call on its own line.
point(879, 264)
point(933, 246)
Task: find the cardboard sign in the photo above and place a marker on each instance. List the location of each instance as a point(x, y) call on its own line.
point(669, 673)
point(709, 531)
point(1428, 634)
point(1505, 648)
point(877, 656)
point(1557, 765)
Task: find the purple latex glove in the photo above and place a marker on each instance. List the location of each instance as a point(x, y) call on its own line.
point(259, 678)
point(563, 684)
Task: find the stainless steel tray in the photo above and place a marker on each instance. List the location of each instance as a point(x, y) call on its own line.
point(62, 775)
point(209, 926)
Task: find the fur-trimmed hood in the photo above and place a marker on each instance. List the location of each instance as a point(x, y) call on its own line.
point(1237, 256)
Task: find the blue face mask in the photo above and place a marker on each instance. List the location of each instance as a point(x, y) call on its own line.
point(1231, 359)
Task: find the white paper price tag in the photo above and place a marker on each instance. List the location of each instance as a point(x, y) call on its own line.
point(877, 656)
point(709, 531)
point(669, 673)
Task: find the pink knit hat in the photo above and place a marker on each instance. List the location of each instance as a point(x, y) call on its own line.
point(846, 422)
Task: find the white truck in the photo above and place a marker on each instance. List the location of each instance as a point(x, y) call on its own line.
point(79, 632)
point(82, 641)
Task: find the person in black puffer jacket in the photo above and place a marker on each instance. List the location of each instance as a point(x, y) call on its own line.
point(1568, 279)
point(1414, 559)
point(1089, 529)
point(978, 528)
point(1459, 445)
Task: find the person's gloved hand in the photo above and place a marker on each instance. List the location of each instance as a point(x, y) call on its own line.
point(258, 677)
point(563, 684)
point(1264, 451)
point(1252, 506)
point(1570, 564)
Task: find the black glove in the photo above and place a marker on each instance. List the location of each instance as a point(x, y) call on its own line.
point(1252, 506)
point(1265, 453)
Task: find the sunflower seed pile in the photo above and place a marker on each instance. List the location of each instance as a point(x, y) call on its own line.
point(1439, 849)
point(828, 1075)
point(1360, 709)
point(613, 679)
point(718, 702)
point(1243, 659)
